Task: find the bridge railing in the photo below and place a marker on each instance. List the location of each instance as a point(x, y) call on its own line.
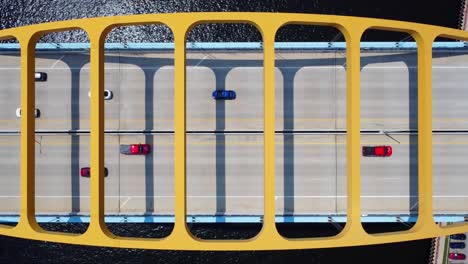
point(268, 239)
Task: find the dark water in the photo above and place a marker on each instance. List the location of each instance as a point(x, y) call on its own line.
point(26, 251)
point(14, 13)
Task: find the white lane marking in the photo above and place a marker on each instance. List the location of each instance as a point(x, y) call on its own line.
point(201, 60)
point(125, 202)
point(53, 65)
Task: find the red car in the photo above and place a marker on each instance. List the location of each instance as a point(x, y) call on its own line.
point(135, 149)
point(377, 151)
point(86, 172)
point(456, 256)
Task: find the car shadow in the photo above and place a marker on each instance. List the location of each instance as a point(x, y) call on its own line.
point(75, 65)
point(410, 61)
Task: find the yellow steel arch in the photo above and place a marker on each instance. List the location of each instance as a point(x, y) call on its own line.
point(269, 238)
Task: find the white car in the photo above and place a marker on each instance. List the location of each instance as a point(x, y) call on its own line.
point(37, 113)
point(107, 94)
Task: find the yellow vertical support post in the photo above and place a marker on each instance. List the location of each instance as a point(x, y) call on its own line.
point(353, 126)
point(97, 224)
point(269, 225)
point(180, 230)
point(27, 190)
point(425, 213)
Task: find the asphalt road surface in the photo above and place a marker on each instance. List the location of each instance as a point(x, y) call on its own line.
point(225, 170)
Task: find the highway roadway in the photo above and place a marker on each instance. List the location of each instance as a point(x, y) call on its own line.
point(227, 177)
point(225, 170)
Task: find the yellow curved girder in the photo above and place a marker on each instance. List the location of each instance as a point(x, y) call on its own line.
point(268, 239)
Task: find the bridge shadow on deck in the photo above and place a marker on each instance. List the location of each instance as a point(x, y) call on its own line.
point(80, 59)
point(75, 65)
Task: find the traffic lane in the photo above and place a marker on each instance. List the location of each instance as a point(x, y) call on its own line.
point(399, 68)
point(111, 107)
point(389, 184)
point(311, 97)
point(147, 181)
point(317, 100)
point(59, 186)
point(395, 187)
point(319, 183)
point(389, 96)
point(392, 181)
point(10, 95)
point(309, 169)
point(243, 73)
point(147, 98)
point(63, 99)
point(385, 187)
point(10, 176)
point(248, 84)
point(449, 118)
point(112, 163)
point(450, 184)
point(146, 84)
point(200, 106)
point(59, 98)
point(203, 112)
point(53, 175)
point(320, 79)
point(450, 108)
point(225, 174)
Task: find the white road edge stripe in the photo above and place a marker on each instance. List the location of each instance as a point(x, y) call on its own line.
point(239, 197)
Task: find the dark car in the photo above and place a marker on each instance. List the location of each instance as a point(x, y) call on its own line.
point(457, 245)
point(456, 256)
point(458, 236)
point(40, 76)
point(224, 95)
point(86, 172)
point(135, 149)
point(37, 113)
point(377, 151)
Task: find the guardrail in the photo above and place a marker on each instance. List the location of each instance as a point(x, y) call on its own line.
point(154, 46)
point(394, 218)
point(352, 29)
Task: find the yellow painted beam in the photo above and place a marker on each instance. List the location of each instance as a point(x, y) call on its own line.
point(267, 23)
point(27, 221)
point(180, 232)
point(353, 127)
point(97, 227)
point(269, 234)
point(424, 40)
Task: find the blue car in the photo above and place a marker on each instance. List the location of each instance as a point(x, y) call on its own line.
point(224, 95)
point(458, 236)
point(457, 245)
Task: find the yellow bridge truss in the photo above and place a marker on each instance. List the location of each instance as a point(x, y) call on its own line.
point(268, 239)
